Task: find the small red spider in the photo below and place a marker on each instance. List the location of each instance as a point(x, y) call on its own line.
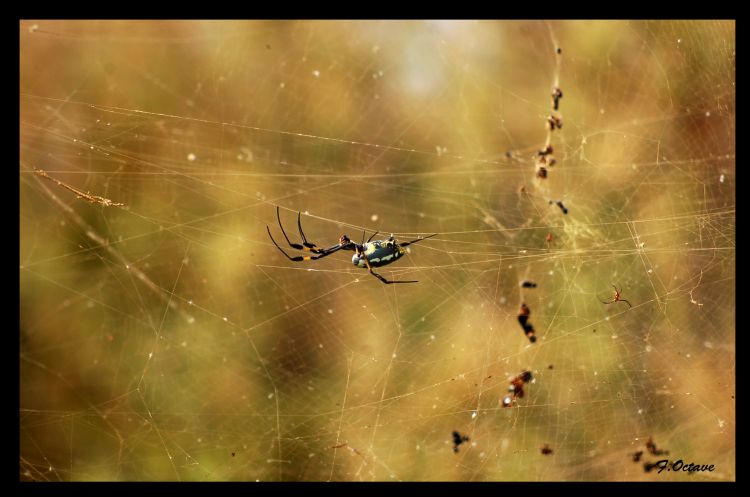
point(616, 297)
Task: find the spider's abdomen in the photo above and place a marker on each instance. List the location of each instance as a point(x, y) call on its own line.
point(379, 253)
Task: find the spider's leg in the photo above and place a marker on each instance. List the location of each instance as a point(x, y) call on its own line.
point(389, 282)
point(293, 245)
point(373, 236)
point(616, 291)
point(623, 300)
point(300, 258)
point(381, 278)
point(311, 246)
point(307, 247)
point(610, 302)
point(417, 240)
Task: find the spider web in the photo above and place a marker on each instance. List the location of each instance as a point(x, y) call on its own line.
point(167, 339)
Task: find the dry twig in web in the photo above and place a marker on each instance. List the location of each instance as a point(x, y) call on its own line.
point(94, 199)
point(104, 243)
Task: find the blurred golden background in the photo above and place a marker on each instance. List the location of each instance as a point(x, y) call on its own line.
point(167, 339)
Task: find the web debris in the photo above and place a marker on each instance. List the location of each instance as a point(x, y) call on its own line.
point(94, 199)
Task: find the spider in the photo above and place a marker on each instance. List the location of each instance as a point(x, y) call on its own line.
point(370, 254)
point(616, 297)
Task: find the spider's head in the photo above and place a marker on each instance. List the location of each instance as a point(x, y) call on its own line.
point(344, 240)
